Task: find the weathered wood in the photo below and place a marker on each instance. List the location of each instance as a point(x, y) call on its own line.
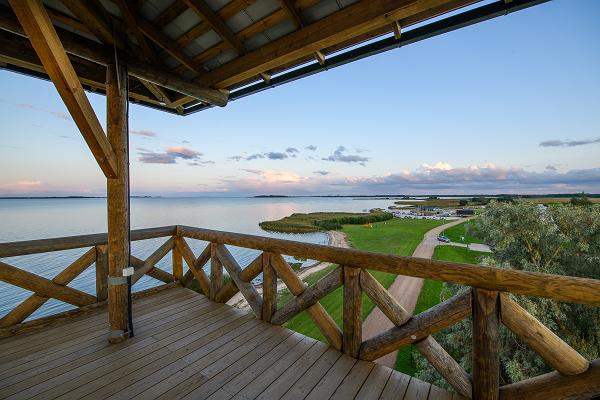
point(12, 249)
point(316, 312)
point(417, 328)
point(352, 332)
point(195, 265)
point(118, 200)
point(154, 272)
point(85, 12)
point(247, 275)
point(35, 301)
point(445, 365)
point(308, 297)
point(177, 262)
point(246, 288)
point(542, 340)
point(151, 261)
point(44, 39)
point(558, 287)
point(486, 345)
point(43, 286)
point(101, 272)
point(553, 385)
point(216, 272)
point(269, 288)
point(383, 299)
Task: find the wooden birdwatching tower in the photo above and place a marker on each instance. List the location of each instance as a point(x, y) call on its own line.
point(183, 56)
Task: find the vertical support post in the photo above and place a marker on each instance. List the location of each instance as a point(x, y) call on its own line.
point(269, 288)
point(101, 273)
point(352, 334)
point(216, 272)
point(118, 201)
point(177, 261)
point(486, 345)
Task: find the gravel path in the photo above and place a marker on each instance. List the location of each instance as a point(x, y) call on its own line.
point(406, 290)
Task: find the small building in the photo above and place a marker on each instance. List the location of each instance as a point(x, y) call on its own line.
point(465, 212)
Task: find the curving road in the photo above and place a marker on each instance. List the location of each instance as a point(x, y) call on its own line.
point(406, 290)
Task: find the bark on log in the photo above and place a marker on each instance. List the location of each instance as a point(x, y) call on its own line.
point(151, 261)
point(486, 345)
point(383, 299)
point(352, 332)
point(269, 288)
point(247, 275)
point(195, 265)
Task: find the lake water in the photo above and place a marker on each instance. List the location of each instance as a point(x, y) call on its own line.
point(26, 219)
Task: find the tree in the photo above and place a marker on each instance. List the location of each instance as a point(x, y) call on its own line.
point(581, 200)
point(560, 240)
point(463, 202)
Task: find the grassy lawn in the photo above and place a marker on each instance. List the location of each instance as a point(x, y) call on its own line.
point(397, 236)
point(430, 296)
point(455, 233)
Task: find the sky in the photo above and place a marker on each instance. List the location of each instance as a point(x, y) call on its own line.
point(510, 105)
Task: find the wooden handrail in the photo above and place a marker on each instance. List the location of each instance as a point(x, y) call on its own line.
point(12, 249)
point(557, 287)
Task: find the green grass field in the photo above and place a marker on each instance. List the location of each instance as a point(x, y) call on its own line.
point(430, 296)
point(322, 221)
point(397, 236)
point(455, 233)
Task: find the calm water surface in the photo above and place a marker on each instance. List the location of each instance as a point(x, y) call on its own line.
point(46, 218)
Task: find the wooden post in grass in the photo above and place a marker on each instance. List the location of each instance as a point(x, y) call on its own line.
point(118, 201)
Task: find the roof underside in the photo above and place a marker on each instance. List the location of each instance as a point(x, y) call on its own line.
point(174, 47)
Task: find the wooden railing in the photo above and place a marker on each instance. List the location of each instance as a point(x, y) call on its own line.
point(486, 303)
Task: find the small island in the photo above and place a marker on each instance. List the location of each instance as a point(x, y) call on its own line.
point(323, 221)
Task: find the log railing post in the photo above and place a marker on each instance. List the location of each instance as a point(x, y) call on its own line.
point(352, 332)
point(216, 272)
point(118, 201)
point(486, 345)
point(269, 288)
point(177, 261)
point(101, 272)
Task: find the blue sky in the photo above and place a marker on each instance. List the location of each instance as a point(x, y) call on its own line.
point(510, 105)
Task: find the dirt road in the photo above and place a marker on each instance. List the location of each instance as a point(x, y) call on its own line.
point(405, 290)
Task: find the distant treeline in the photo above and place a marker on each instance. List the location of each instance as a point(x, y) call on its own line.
point(323, 221)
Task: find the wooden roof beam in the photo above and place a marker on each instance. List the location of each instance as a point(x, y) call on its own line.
point(44, 39)
point(91, 18)
point(290, 7)
point(216, 23)
point(355, 20)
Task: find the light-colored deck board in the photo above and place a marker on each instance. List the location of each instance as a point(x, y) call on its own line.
point(189, 347)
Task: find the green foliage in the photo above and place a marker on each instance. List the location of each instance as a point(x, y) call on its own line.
point(463, 202)
point(559, 240)
point(323, 221)
point(457, 232)
point(581, 200)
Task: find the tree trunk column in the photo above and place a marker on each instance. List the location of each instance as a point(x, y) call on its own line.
point(118, 201)
point(486, 345)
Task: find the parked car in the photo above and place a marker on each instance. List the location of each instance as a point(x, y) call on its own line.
point(443, 239)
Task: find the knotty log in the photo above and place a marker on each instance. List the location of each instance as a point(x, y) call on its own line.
point(101, 272)
point(246, 288)
point(352, 332)
point(195, 265)
point(177, 263)
point(12, 249)
point(542, 340)
point(118, 199)
point(43, 286)
point(317, 313)
point(154, 272)
point(554, 385)
point(417, 328)
point(561, 288)
point(153, 259)
point(486, 345)
point(216, 272)
point(247, 275)
point(445, 365)
point(269, 288)
point(35, 301)
point(308, 297)
point(383, 299)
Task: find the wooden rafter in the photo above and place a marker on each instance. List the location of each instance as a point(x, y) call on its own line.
point(290, 7)
point(36, 23)
point(352, 21)
point(146, 51)
point(216, 23)
point(91, 18)
point(169, 14)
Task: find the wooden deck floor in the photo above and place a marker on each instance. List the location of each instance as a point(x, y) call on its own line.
point(186, 346)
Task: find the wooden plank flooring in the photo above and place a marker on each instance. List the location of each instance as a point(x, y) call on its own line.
point(187, 347)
